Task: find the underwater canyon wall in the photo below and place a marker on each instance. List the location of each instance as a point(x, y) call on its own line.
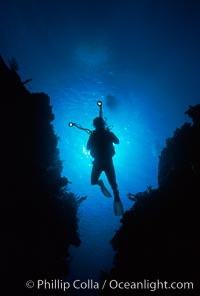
point(159, 237)
point(39, 215)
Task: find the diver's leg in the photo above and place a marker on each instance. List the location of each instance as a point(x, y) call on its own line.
point(110, 174)
point(96, 172)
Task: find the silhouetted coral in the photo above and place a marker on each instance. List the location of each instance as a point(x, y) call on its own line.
point(39, 215)
point(194, 113)
point(13, 64)
point(159, 237)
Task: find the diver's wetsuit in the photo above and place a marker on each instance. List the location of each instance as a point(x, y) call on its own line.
point(100, 144)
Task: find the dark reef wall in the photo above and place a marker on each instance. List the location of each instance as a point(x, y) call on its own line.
point(159, 237)
point(39, 216)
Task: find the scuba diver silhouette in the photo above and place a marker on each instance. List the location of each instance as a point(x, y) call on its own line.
point(101, 148)
point(100, 145)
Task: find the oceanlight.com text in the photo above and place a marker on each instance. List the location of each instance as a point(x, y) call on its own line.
point(151, 285)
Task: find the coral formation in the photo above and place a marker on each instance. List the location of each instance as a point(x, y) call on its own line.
point(39, 214)
point(159, 237)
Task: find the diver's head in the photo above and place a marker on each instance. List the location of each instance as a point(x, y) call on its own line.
point(98, 123)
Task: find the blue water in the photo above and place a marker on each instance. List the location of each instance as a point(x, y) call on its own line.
point(143, 54)
point(141, 122)
point(142, 114)
point(136, 162)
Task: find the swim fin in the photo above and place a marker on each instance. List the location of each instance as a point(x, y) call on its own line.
point(104, 190)
point(118, 208)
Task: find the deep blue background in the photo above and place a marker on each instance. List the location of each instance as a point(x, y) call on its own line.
point(143, 53)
